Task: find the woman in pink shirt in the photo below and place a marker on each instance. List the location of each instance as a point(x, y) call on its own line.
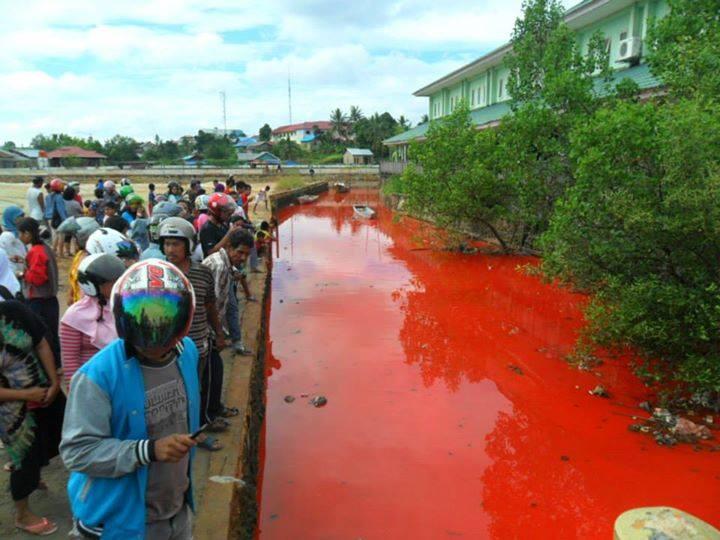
point(88, 325)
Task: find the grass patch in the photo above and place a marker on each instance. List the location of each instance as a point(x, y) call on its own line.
point(287, 183)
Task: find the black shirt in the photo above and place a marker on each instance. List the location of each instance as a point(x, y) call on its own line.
point(20, 328)
point(210, 235)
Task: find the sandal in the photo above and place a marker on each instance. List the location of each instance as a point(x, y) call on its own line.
point(43, 527)
point(218, 425)
point(210, 444)
point(229, 412)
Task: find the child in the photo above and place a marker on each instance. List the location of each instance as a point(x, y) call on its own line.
point(111, 210)
point(151, 198)
point(263, 243)
point(262, 196)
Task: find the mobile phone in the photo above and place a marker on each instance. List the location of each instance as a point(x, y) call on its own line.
point(199, 431)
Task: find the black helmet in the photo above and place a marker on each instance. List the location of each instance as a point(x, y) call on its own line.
point(96, 270)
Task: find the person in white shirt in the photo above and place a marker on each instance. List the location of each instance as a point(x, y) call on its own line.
point(262, 196)
point(35, 200)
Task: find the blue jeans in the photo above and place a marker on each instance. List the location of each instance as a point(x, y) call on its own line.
point(253, 258)
point(232, 316)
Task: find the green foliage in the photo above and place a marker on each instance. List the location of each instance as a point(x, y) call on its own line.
point(119, 149)
point(286, 183)
point(371, 132)
point(220, 148)
point(9, 145)
point(459, 185)
point(166, 152)
point(329, 159)
point(265, 133)
point(641, 229)
point(395, 185)
point(685, 48)
point(58, 140)
point(286, 150)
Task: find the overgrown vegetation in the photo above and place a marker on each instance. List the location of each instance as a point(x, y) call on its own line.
point(621, 195)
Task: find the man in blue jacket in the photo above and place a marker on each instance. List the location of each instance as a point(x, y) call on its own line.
point(130, 413)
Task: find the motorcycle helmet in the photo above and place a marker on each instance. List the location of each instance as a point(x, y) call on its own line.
point(153, 303)
point(167, 209)
point(177, 227)
point(221, 203)
point(96, 270)
point(112, 242)
point(201, 202)
point(56, 185)
point(86, 226)
point(125, 191)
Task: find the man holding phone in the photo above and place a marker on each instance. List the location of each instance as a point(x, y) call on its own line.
point(132, 412)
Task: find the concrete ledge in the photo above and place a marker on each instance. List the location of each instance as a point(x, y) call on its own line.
point(286, 198)
point(229, 510)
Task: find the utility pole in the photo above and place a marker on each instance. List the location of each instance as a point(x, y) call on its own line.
point(289, 98)
point(222, 95)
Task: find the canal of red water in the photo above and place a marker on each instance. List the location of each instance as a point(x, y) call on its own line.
point(451, 412)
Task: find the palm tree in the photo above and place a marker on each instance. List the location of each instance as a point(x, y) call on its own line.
point(355, 114)
point(404, 123)
point(339, 122)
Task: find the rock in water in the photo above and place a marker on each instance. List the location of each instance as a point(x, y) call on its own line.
point(318, 401)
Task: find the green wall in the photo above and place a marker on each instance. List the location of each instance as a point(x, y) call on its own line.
point(483, 89)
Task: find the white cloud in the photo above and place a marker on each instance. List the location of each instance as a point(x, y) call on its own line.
point(141, 67)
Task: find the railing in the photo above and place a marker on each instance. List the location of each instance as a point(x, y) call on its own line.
point(395, 167)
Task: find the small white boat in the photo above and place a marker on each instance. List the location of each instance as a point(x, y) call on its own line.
point(307, 199)
point(341, 187)
point(363, 211)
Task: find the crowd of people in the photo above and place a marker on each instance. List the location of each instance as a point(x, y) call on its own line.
point(128, 382)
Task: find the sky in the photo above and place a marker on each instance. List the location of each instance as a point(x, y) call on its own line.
point(157, 67)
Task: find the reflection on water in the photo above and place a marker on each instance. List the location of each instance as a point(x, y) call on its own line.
point(450, 411)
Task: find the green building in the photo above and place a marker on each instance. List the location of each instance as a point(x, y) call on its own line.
point(483, 83)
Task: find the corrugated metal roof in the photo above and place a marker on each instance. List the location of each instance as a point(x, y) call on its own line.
point(360, 151)
point(639, 74)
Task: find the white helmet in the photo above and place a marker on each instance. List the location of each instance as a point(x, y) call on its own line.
point(112, 242)
point(201, 202)
point(125, 182)
point(96, 270)
point(177, 227)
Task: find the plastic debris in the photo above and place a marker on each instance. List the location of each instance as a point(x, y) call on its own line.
point(599, 391)
point(318, 401)
point(226, 480)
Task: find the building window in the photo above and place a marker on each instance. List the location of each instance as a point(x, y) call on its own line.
point(608, 45)
point(500, 88)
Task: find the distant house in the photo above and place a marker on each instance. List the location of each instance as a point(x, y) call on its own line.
point(88, 158)
point(196, 158)
point(242, 143)
point(260, 146)
point(304, 133)
point(38, 158)
point(10, 160)
point(257, 158)
point(357, 156)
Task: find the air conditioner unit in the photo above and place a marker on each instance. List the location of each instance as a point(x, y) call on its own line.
point(630, 49)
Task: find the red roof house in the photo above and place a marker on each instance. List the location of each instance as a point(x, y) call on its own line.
point(88, 157)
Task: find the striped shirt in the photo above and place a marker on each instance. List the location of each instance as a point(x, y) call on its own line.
point(203, 283)
point(76, 350)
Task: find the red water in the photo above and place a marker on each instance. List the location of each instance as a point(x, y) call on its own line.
point(427, 432)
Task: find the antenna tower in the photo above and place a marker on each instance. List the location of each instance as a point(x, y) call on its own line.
point(224, 109)
point(289, 99)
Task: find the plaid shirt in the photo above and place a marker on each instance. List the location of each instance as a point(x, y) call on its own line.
point(222, 271)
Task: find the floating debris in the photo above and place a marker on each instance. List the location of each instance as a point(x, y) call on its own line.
point(516, 369)
point(599, 391)
point(318, 401)
point(564, 458)
point(289, 399)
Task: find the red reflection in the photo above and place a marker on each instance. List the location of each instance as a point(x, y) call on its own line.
point(450, 411)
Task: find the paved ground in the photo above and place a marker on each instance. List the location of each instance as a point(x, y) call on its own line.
point(53, 502)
